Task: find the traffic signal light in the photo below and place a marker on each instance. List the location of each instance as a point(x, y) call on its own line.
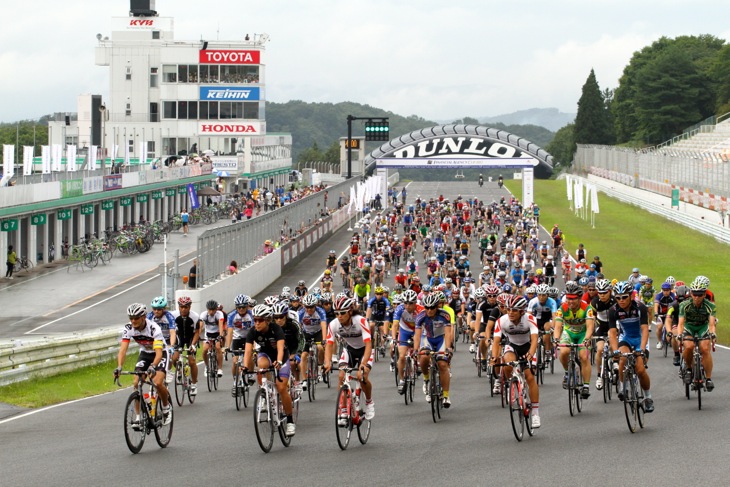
point(377, 131)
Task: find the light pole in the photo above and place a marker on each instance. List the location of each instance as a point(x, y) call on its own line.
point(102, 110)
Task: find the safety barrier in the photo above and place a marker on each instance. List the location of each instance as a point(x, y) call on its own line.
point(51, 356)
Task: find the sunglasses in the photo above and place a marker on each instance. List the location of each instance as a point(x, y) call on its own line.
point(184, 306)
point(431, 307)
point(623, 296)
point(260, 320)
point(698, 293)
point(158, 309)
point(310, 307)
point(242, 307)
point(603, 292)
point(340, 313)
point(134, 318)
point(278, 317)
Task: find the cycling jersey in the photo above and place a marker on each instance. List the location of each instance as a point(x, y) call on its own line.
point(240, 323)
point(664, 301)
point(697, 319)
point(355, 335)
point(630, 322)
point(211, 322)
point(406, 320)
point(312, 323)
point(361, 291)
point(267, 341)
point(293, 337)
point(185, 326)
point(166, 323)
point(519, 333)
point(646, 294)
point(574, 322)
point(542, 312)
point(149, 339)
point(378, 307)
point(434, 328)
point(601, 309)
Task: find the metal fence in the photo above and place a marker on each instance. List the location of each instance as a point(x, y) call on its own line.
point(244, 241)
point(700, 172)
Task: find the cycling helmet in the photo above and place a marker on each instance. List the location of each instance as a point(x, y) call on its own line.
point(507, 289)
point(501, 274)
point(136, 309)
point(666, 286)
point(343, 303)
point(309, 300)
point(468, 280)
point(538, 272)
point(554, 292)
point(241, 300)
point(679, 283)
point(327, 272)
point(517, 303)
point(448, 280)
point(211, 304)
point(416, 279)
point(159, 302)
point(280, 309)
point(262, 311)
point(649, 280)
point(286, 289)
point(396, 300)
point(699, 284)
point(543, 289)
point(485, 268)
point(386, 289)
point(603, 285)
point(531, 290)
point(409, 296)
point(379, 290)
point(642, 279)
point(682, 292)
point(622, 287)
point(316, 291)
point(670, 280)
point(333, 252)
point(184, 301)
point(284, 297)
point(502, 299)
point(426, 289)
point(440, 294)
point(252, 302)
point(398, 287)
point(479, 293)
point(572, 287)
point(431, 300)
point(491, 290)
point(272, 300)
point(294, 298)
point(301, 283)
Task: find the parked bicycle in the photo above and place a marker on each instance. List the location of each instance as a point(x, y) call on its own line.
point(143, 414)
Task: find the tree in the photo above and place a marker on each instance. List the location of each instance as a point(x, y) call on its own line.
point(563, 146)
point(592, 122)
point(311, 154)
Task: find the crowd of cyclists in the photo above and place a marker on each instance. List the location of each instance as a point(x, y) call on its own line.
point(407, 285)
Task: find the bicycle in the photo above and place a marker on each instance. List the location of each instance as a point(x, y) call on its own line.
point(23, 263)
point(666, 339)
point(241, 388)
point(142, 414)
point(435, 391)
point(518, 398)
point(349, 413)
point(211, 375)
point(268, 412)
point(312, 369)
point(183, 379)
point(376, 339)
point(410, 375)
point(607, 373)
point(575, 378)
point(694, 380)
point(633, 394)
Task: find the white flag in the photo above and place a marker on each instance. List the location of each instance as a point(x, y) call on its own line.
point(115, 149)
point(578, 198)
point(594, 200)
point(141, 153)
point(56, 155)
point(92, 157)
point(126, 154)
point(27, 160)
point(570, 187)
point(71, 158)
point(352, 200)
point(8, 160)
point(46, 159)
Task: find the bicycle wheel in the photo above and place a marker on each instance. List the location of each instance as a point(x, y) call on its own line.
point(435, 392)
point(527, 411)
point(344, 406)
point(263, 421)
point(411, 385)
point(163, 432)
point(667, 346)
point(376, 344)
point(285, 440)
point(639, 402)
point(188, 388)
point(134, 429)
point(179, 386)
point(363, 429)
point(698, 381)
point(312, 375)
point(502, 387)
point(540, 369)
point(517, 417)
point(630, 403)
point(395, 360)
point(578, 395)
point(478, 361)
point(490, 374)
point(210, 372)
point(606, 381)
point(407, 379)
point(214, 371)
point(571, 389)
point(238, 384)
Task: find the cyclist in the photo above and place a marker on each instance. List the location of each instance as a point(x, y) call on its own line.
point(433, 331)
point(326, 282)
point(361, 291)
point(697, 317)
point(331, 261)
point(313, 321)
point(601, 303)
point(646, 294)
point(293, 336)
point(153, 353)
point(662, 302)
point(271, 343)
point(357, 352)
point(574, 324)
point(166, 321)
point(632, 318)
point(518, 330)
point(187, 325)
point(239, 322)
point(213, 327)
point(543, 308)
point(378, 270)
point(301, 289)
point(672, 320)
point(377, 312)
point(404, 326)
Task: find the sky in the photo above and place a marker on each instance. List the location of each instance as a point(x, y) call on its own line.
point(435, 59)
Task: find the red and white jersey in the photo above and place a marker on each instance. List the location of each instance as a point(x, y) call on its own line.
point(517, 333)
point(355, 335)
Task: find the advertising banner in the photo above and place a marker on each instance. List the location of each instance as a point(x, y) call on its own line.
point(113, 181)
point(229, 56)
point(193, 194)
point(229, 128)
point(230, 93)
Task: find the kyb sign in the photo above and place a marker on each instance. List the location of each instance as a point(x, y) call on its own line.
point(208, 128)
point(228, 56)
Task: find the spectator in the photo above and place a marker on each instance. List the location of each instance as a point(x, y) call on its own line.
point(12, 258)
point(193, 274)
point(233, 267)
point(185, 217)
point(268, 247)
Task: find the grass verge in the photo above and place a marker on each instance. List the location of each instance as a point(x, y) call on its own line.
point(626, 236)
point(84, 382)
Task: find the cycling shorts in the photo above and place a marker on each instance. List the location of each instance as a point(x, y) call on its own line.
point(284, 371)
point(212, 336)
point(316, 337)
point(632, 343)
point(404, 336)
point(238, 344)
point(352, 357)
point(696, 330)
point(568, 338)
point(437, 344)
point(145, 359)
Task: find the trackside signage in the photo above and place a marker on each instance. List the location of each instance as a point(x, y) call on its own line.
point(229, 56)
point(146, 23)
point(229, 128)
point(218, 93)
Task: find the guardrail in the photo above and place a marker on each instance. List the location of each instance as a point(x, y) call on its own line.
point(51, 356)
point(703, 226)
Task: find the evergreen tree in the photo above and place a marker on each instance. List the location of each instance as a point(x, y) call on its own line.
point(592, 122)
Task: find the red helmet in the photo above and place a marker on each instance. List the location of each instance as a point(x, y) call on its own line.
point(184, 301)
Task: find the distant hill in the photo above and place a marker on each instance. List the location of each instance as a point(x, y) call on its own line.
point(325, 123)
point(550, 118)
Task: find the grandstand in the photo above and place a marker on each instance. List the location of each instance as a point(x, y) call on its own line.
point(708, 140)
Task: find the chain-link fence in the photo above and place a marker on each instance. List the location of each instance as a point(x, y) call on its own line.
point(657, 171)
point(244, 241)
